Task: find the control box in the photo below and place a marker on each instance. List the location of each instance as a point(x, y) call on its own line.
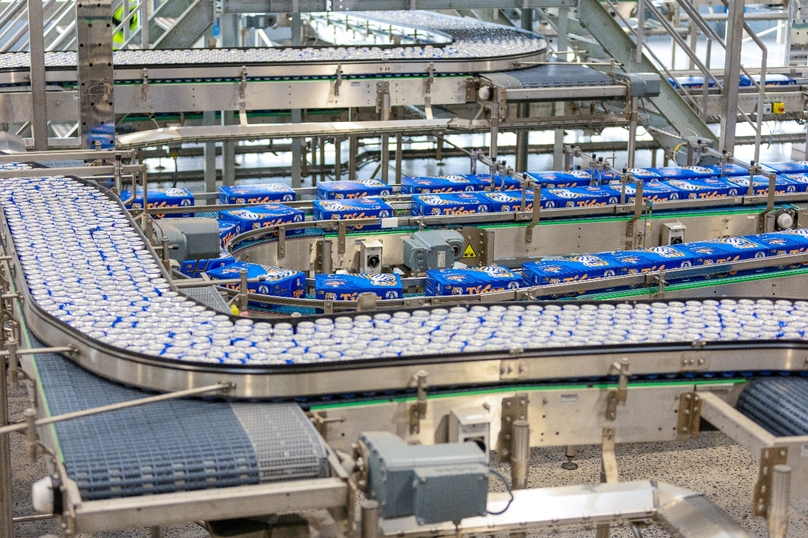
point(673, 233)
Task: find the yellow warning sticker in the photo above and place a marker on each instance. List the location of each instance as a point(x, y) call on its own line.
point(469, 252)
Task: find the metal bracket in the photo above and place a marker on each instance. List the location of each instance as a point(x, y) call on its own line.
point(321, 420)
point(689, 416)
point(608, 464)
point(323, 259)
point(695, 362)
point(341, 229)
point(144, 85)
point(534, 221)
point(383, 100)
point(428, 93)
point(620, 394)
point(418, 409)
point(281, 242)
point(513, 409)
point(242, 92)
point(512, 369)
point(471, 90)
point(761, 497)
point(338, 82)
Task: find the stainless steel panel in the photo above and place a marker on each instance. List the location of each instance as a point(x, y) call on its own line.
point(95, 80)
point(15, 107)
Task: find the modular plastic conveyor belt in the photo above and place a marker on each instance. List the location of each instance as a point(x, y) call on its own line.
point(465, 46)
point(171, 446)
point(780, 405)
point(552, 75)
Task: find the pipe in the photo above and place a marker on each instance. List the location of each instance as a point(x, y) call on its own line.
point(778, 507)
point(520, 453)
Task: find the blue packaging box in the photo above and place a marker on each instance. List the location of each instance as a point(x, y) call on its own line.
point(426, 185)
point(562, 180)
point(278, 282)
point(799, 180)
point(195, 268)
point(361, 208)
point(461, 203)
point(728, 170)
point(500, 184)
point(760, 185)
point(471, 281)
point(692, 83)
point(339, 190)
point(683, 172)
point(566, 269)
point(348, 287)
point(771, 80)
point(585, 196)
point(177, 197)
point(512, 201)
point(646, 174)
point(256, 194)
point(789, 167)
point(654, 191)
point(727, 249)
point(262, 216)
point(647, 260)
point(227, 231)
point(699, 189)
point(783, 243)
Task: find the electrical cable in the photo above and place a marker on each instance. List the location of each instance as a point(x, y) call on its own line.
point(507, 487)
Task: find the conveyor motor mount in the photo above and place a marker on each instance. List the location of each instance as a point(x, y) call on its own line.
point(434, 249)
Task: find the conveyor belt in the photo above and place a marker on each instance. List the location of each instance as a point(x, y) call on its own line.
point(553, 75)
point(171, 446)
point(474, 46)
point(779, 405)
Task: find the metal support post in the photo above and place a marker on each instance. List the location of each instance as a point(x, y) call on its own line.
point(522, 140)
point(370, 519)
point(778, 508)
point(322, 159)
point(569, 453)
point(144, 24)
point(520, 454)
point(385, 158)
point(562, 45)
point(337, 158)
point(209, 118)
point(297, 114)
point(228, 152)
point(400, 155)
point(39, 104)
point(95, 74)
point(244, 292)
point(641, 31)
point(632, 131)
point(732, 72)
point(6, 527)
point(353, 149)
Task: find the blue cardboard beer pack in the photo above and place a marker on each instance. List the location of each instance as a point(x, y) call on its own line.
point(227, 231)
point(339, 190)
point(655, 191)
point(683, 172)
point(799, 180)
point(562, 180)
point(789, 167)
point(360, 208)
point(176, 197)
point(256, 194)
point(760, 185)
point(703, 188)
point(348, 287)
point(419, 185)
point(500, 184)
point(727, 249)
point(471, 281)
point(728, 170)
point(460, 203)
point(646, 174)
point(500, 202)
point(647, 260)
point(565, 269)
point(585, 196)
point(262, 216)
point(784, 242)
point(195, 268)
point(277, 281)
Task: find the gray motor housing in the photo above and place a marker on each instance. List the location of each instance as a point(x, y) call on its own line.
point(194, 238)
point(434, 249)
point(434, 483)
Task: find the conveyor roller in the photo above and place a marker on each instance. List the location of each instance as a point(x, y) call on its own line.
point(779, 405)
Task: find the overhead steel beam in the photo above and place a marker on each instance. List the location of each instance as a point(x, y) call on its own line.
point(309, 6)
point(613, 38)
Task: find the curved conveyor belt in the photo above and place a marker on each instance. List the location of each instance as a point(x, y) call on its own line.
point(90, 279)
point(470, 46)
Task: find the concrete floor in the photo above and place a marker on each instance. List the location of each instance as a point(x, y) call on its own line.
point(712, 464)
